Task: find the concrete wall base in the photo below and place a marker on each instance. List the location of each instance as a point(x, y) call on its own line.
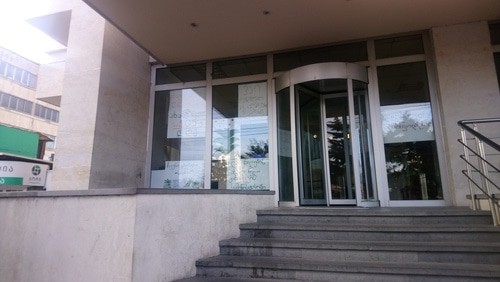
point(129, 237)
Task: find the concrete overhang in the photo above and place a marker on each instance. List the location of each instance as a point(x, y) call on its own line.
point(175, 31)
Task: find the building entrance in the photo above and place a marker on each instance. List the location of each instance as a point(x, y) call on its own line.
point(332, 148)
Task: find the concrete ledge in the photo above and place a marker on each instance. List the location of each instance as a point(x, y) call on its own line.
point(129, 191)
point(203, 191)
point(71, 193)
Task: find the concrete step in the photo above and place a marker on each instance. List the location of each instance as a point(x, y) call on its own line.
point(359, 244)
point(434, 215)
point(232, 279)
point(319, 270)
point(393, 251)
point(367, 232)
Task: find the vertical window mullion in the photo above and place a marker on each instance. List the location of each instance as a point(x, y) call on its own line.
point(208, 128)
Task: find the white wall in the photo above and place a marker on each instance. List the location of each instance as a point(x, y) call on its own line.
point(173, 231)
point(468, 89)
point(67, 238)
point(50, 82)
point(116, 237)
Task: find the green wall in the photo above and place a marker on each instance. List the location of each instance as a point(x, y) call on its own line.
point(18, 142)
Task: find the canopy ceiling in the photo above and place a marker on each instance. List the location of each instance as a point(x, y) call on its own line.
point(176, 31)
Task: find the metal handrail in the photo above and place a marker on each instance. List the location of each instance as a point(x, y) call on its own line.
point(465, 125)
point(483, 167)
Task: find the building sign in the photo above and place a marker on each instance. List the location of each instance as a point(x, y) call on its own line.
point(407, 123)
point(14, 173)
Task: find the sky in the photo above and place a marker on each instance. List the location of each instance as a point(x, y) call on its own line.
point(19, 36)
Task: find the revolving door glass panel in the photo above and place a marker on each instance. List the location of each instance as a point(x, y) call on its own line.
point(334, 165)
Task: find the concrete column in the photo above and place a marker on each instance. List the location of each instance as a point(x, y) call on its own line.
point(101, 140)
point(468, 88)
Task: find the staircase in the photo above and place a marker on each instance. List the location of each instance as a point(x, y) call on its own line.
point(359, 244)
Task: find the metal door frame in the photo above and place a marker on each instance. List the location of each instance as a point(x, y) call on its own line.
point(304, 201)
point(330, 200)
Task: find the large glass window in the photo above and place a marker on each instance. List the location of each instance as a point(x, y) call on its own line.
point(239, 67)
point(408, 130)
point(399, 46)
point(353, 52)
point(495, 33)
point(240, 150)
point(178, 74)
point(179, 139)
point(495, 41)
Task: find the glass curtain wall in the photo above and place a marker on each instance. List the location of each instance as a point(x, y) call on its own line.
point(237, 152)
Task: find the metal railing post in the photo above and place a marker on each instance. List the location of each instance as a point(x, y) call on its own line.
point(484, 165)
point(484, 175)
point(467, 167)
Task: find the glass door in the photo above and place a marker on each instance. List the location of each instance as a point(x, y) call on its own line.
point(329, 130)
point(310, 151)
point(328, 152)
point(337, 142)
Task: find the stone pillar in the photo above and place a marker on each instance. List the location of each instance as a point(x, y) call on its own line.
point(468, 89)
point(119, 155)
point(102, 134)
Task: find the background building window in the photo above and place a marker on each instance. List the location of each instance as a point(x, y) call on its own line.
point(15, 103)
point(46, 113)
point(19, 75)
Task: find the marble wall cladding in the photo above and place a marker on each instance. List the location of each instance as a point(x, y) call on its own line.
point(119, 153)
point(173, 231)
point(96, 235)
point(467, 86)
point(67, 238)
point(104, 108)
point(50, 82)
point(75, 140)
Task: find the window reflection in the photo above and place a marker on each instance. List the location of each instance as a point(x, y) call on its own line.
point(409, 140)
point(240, 147)
point(407, 122)
point(412, 171)
point(179, 139)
